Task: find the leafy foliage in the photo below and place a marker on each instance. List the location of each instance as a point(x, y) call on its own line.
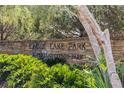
point(120, 70)
point(20, 69)
point(46, 22)
point(100, 73)
point(16, 22)
point(61, 76)
point(26, 71)
point(105, 15)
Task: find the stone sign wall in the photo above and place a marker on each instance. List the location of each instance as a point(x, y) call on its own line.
point(76, 50)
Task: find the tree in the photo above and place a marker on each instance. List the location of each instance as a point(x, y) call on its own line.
point(16, 22)
point(56, 21)
point(105, 15)
point(6, 22)
point(62, 21)
point(99, 40)
point(46, 22)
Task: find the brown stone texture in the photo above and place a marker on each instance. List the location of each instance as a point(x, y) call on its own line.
point(74, 50)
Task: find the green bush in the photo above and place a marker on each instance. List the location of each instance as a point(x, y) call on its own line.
point(72, 77)
point(27, 71)
point(20, 69)
point(62, 76)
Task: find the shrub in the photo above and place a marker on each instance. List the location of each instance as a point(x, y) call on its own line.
point(27, 71)
point(20, 69)
point(60, 76)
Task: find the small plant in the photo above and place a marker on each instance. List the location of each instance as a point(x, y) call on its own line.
point(120, 70)
point(100, 73)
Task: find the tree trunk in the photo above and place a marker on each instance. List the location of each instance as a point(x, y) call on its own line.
point(99, 40)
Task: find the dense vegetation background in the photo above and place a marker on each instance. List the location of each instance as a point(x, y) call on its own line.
point(45, 22)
